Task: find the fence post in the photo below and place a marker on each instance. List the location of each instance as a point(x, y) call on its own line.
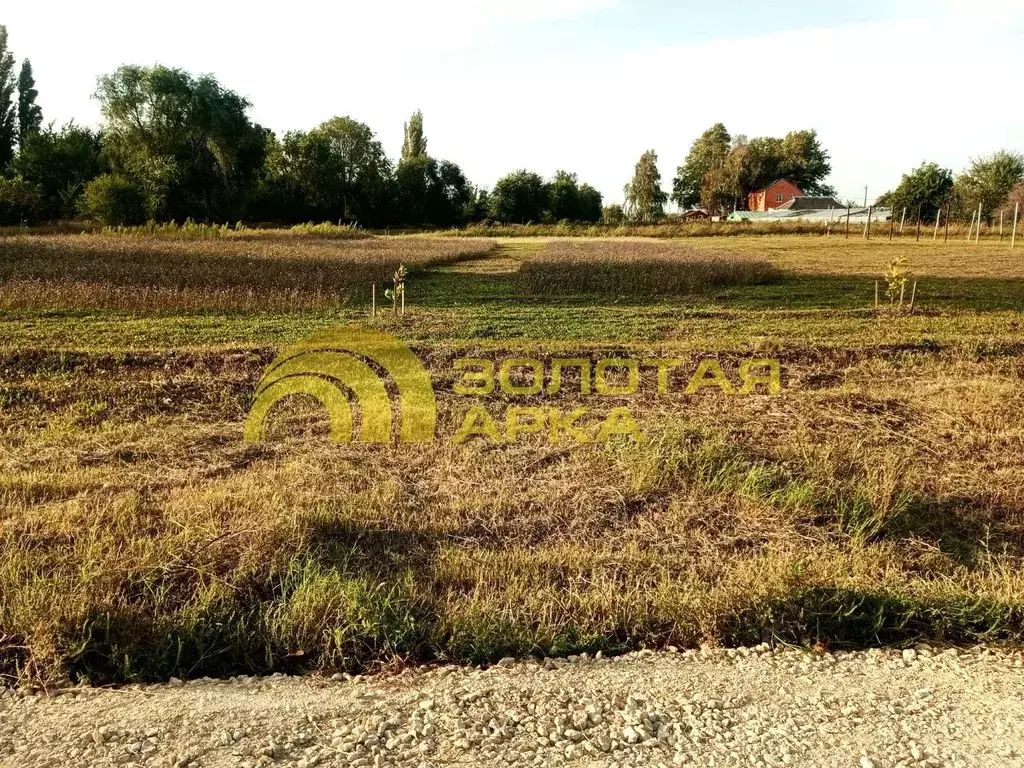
point(847, 222)
point(938, 218)
point(970, 229)
point(1013, 237)
point(373, 300)
point(867, 227)
point(919, 223)
point(903, 220)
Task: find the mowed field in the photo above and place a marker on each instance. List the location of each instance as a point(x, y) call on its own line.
point(878, 498)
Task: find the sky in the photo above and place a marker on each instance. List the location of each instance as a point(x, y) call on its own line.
point(580, 85)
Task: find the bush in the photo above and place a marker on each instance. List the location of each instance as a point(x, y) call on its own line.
point(20, 202)
point(114, 200)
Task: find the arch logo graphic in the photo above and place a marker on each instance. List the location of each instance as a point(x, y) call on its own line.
point(344, 365)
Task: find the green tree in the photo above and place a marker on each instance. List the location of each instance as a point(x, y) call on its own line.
point(8, 124)
point(433, 192)
point(989, 181)
point(415, 143)
point(645, 199)
point(719, 171)
point(21, 202)
point(798, 157)
point(187, 141)
point(448, 194)
point(412, 177)
point(613, 215)
point(708, 155)
point(759, 163)
point(30, 115)
point(926, 188)
point(337, 171)
point(589, 204)
point(564, 196)
point(114, 199)
point(61, 163)
point(805, 162)
point(479, 206)
point(519, 197)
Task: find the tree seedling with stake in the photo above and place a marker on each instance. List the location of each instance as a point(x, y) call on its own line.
point(397, 294)
point(896, 275)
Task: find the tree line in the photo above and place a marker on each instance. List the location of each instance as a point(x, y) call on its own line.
point(174, 146)
point(993, 183)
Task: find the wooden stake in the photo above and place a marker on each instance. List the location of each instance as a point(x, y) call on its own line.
point(903, 220)
point(1000, 225)
point(892, 223)
point(919, 223)
point(876, 294)
point(938, 218)
point(847, 222)
point(867, 227)
point(903, 289)
point(373, 300)
point(945, 238)
point(913, 296)
point(970, 229)
point(977, 234)
point(403, 298)
point(1013, 235)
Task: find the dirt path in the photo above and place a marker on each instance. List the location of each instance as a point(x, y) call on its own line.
point(505, 259)
point(739, 708)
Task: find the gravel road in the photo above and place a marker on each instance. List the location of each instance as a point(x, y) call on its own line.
point(746, 707)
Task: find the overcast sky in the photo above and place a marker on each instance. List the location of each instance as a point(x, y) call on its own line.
point(584, 85)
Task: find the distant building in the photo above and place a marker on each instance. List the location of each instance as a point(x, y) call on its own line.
point(775, 195)
point(808, 203)
point(694, 215)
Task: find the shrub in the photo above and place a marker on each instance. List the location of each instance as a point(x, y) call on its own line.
point(114, 200)
point(20, 202)
point(327, 229)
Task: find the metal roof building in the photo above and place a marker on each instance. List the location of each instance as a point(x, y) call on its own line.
point(857, 215)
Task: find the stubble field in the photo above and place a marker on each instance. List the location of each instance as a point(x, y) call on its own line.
point(878, 498)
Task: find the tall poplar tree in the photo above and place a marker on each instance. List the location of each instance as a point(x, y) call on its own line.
point(8, 126)
point(415, 143)
point(30, 116)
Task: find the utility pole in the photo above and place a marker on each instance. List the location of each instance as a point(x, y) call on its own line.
point(865, 195)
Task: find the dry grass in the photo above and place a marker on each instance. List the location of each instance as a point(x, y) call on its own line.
point(637, 268)
point(275, 271)
point(141, 537)
point(838, 256)
point(880, 498)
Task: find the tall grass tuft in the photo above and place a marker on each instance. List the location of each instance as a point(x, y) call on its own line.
point(327, 229)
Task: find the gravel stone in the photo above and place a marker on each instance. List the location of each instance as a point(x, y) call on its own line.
point(757, 707)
